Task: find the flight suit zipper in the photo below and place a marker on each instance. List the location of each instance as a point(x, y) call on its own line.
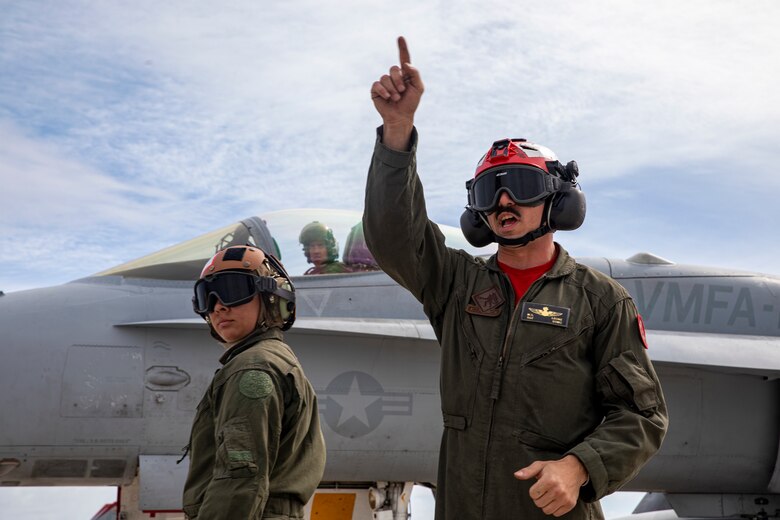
point(498, 374)
point(495, 390)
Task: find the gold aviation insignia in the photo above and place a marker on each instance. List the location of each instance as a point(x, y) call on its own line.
point(547, 314)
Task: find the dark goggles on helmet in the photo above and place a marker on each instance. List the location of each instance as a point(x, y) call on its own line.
point(526, 185)
point(231, 288)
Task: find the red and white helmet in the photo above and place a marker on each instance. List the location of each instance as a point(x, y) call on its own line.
point(531, 175)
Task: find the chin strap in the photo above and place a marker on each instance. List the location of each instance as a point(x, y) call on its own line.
point(531, 235)
point(525, 239)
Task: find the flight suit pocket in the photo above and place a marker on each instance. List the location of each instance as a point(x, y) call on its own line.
point(544, 340)
point(539, 441)
point(203, 417)
point(461, 361)
point(627, 380)
point(476, 353)
point(456, 422)
point(235, 452)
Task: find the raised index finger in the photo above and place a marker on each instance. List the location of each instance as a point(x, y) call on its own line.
point(403, 51)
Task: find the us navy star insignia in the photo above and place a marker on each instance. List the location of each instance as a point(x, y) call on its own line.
point(354, 404)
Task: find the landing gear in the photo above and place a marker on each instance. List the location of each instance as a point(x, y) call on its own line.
point(361, 501)
point(390, 500)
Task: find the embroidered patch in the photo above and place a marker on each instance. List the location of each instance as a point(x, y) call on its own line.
point(486, 303)
point(255, 384)
point(641, 324)
point(240, 456)
point(547, 314)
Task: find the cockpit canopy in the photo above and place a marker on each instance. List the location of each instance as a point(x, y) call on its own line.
point(276, 232)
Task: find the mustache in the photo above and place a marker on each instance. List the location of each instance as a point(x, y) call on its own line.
point(507, 209)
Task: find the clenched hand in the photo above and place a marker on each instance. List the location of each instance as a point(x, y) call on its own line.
point(558, 483)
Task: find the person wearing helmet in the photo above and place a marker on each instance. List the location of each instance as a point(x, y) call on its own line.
point(321, 249)
point(256, 448)
point(356, 254)
point(548, 397)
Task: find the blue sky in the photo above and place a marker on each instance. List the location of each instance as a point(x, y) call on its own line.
point(128, 127)
point(125, 128)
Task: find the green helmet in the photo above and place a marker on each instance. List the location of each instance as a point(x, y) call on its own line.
point(319, 232)
point(355, 249)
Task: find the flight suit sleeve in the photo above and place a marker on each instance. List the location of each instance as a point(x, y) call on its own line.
point(631, 400)
point(406, 245)
point(249, 409)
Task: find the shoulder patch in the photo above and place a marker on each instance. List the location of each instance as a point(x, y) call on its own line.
point(255, 384)
point(641, 325)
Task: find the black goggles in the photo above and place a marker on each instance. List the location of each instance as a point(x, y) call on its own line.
point(231, 288)
point(526, 185)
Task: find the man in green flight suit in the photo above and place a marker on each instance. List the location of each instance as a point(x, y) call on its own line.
point(321, 249)
point(256, 447)
point(548, 397)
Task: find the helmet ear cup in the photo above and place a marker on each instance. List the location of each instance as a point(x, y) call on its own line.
point(567, 210)
point(474, 229)
point(286, 307)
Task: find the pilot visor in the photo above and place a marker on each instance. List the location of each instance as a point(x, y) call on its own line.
point(230, 288)
point(526, 185)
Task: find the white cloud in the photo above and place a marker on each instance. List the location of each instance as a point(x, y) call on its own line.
point(44, 186)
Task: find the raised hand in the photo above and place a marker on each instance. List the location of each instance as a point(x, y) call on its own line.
point(396, 96)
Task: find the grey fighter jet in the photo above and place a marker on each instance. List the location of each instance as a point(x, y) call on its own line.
point(105, 392)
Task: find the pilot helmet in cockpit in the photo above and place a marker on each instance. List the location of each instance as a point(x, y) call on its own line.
point(319, 232)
